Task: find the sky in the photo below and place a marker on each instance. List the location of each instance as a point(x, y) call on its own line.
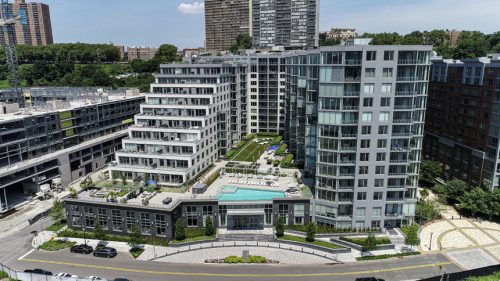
point(181, 22)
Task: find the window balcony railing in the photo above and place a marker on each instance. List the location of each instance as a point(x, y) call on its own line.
point(406, 93)
point(352, 62)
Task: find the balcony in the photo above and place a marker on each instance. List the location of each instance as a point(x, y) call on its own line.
point(351, 94)
point(406, 93)
point(395, 199)
point(347, 107)
point(403, 107)
point(398, 160)
point(408, 61)
point(352, 62)
point(348, 148)
point(404, 135)
point(403, 121)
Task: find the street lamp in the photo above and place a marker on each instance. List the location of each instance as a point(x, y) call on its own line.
point(430, 242)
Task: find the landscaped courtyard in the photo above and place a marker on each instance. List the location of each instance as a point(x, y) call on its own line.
point(253, 148)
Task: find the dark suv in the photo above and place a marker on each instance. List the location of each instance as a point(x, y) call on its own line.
point(38, 271)
point(105, 252)
point(82, 249)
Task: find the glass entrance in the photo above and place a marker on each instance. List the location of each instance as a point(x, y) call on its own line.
point(245, 222)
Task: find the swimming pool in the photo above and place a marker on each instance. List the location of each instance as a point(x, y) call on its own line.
point(273, 148)
point(232, 193)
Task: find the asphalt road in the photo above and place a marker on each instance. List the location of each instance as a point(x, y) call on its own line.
point(408, 268)
point(15, 245)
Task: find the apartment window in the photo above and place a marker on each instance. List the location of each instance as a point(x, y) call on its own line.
point(382, 143)
point(369, 88)
point(383, 130)
point(361, 196)
point(102, 218)
point(363, 183)
point(379, 170)
point(379, 183)
point(366, 130)
point(364, 157)
point(378, 196)
point(367, 117)
point(207, 212)
point(283, 212)
point(365, 143)
point(116, 220)
point(386, 88)
point(363, 170)
point(88, 213)
point(130, 219)
point(376, 224)
point(367, 102)
point(371, 55)
point(161, 225)
point(385, 102)
point(360, 212)
point(387, 72)
point(384, 116)
point(377, 211)
point(380, 157)
point(192, 216)
point(145, 224)
point(388, 55)
point(370, 73)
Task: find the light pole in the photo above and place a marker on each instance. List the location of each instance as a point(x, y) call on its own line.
point(430, 242)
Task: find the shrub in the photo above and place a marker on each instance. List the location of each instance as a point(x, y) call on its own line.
point(381, 257)
point(56, 245)
point(287, 161)
point(209, 228)
point(180, 230)
point(316, 242)
point(213, 177)
point(281, 150)
point(370, 243)
point(57, 211)
point(135, 236)
point(311, 231)
point(136, 252)
point(3, 275)
point(257, 259)
point(411, 232)
point(251, 259)
point(362, 241)
point(99, 232)
point(280, 227)
point(267, 134)
point(56, 226)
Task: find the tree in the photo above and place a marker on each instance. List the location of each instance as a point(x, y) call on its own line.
point(329, 42)
point(455, 188)
point(474, 201)
point(280, 227)
point(57, 211)
point(87, 183)
point(370, 243)
point(135, 236)
point(243, 41)
point(445, 50)
point(311, 231)
point(426, 211)
point(166, 53)
point(429, 171)
point(180, 230)
point(124, 180)
point(99, 233)
point(424, 193)
point(412, 236)
point(209, 227)
point(471, 44)
point(72, 192)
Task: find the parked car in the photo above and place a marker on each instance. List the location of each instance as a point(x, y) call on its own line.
point(66, 275)
point(105, 252)
point(38, 271)
point(121, 279)
point(82, 249)
point(95, 278)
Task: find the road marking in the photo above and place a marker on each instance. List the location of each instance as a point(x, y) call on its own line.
point(242, 274)
point(23, 256)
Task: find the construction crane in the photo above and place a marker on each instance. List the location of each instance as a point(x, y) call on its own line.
point(7, 22)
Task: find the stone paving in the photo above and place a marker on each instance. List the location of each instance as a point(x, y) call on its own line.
point(478, 236)
point(436, 228)
point(455, 239)
point(471, 259)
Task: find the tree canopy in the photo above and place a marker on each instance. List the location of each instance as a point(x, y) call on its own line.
point(243, 41)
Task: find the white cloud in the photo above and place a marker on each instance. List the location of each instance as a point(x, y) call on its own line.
point(195, 8)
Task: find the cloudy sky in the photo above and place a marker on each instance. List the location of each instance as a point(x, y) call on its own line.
point(181, 22)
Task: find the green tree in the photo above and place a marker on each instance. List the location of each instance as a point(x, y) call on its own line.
point(429, 171)
point(180, 230)
point(57, 211)
point(209, 227)
point(424, 193)
point(99, 232)
point(383, 38)
point(471, 44)
point(436, 38)
point(474, 201)
point(445, 50)
point(311, 231)
point(243, 41)
point(87, 183)
point(412, 236)
point(135, 236)
point(455, 188)
point(370, 243)
point(426, 211)
point(124, 180)
point(166, 53)
point(280, 227)
point(330, 42)
point(73, 192)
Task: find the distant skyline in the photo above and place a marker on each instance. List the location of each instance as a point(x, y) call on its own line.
point(181, 22)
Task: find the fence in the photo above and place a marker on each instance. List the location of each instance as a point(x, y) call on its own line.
point(464, 274)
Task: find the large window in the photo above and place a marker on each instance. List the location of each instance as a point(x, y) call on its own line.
point(299, 213)
point(207, 212)
point(369, 88)
point(130, 220)
point(283, 212)
point(102, 218)
point(367, 116)
point(145, 224)
point(89, 217)
point(268, 214)
point(116, 219)
point(222, 214)
point(161, 225)
point(192, 216)
point(75, 216)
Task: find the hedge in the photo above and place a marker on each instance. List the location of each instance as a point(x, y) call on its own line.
point(109, 237)
point(281, 150)
point(287, 162)
point(267, 134)
point(323, 229)
point(251, 259)
point(381, 257)
point(361, 241)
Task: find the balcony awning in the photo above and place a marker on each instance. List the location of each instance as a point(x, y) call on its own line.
point(247, 212)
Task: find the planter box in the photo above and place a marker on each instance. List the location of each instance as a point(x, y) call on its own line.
point(182, 244)
point(312, 246)
point(359, 247)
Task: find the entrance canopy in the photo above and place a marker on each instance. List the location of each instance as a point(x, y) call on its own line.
point(247, 212)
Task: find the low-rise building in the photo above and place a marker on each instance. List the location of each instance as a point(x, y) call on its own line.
point(141, 53)
point(340, 33)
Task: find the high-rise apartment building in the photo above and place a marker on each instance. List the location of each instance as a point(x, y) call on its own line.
point(355, 120)
point(141, 53)
point(291, 24)
point(36, 30)
point(224, 21)
point(462, 124)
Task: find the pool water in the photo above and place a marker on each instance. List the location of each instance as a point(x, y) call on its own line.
point(231, 193)
point(273, 148)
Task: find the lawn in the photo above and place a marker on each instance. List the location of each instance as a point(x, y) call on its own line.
point(56, 245)
point(388, 256)
point(316, 242)
point(251, 152)
point(361, 241)
point(136, 252)
point(193, 239)
point(109, 237)
point(56, 226)
point(493, 277)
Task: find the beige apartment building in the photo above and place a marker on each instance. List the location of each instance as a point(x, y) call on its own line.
point(341, 33)
point(36, 29)
point(224, 21)
point(141, 53)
